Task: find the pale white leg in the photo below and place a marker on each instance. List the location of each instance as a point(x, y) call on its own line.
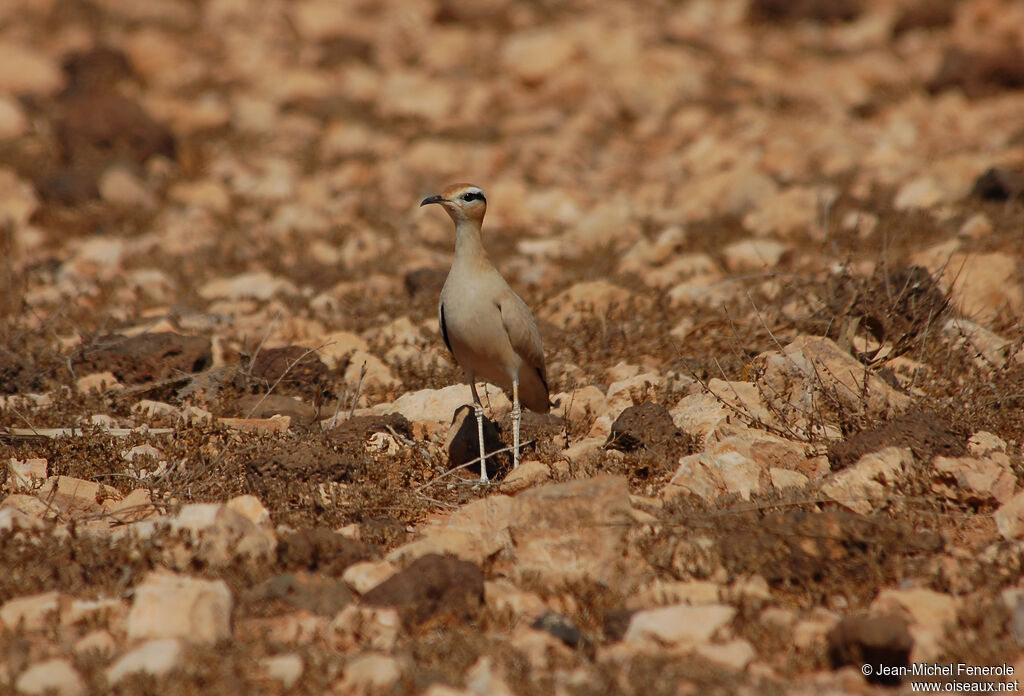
point(517, 414)
point(478, 409)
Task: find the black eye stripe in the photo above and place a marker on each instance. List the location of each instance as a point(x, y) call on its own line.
point(473, 196)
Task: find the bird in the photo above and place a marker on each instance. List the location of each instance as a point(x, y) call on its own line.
point(488, 327)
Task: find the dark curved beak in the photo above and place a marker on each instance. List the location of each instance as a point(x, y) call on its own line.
point(432, 199)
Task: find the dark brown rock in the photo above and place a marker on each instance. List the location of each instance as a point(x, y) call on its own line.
point(927, 434)
point(320, 550)
point(292, 368)
point(648, 426)
point(871, 640)
point(787, 11)
point(313, 592)
point(144, 358)
point(979, 74)
point(432, 585)
point(999, 184)
point(267, 405)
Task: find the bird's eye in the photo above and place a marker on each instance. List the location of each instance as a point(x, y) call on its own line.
point(467, 196)
point(472, 196)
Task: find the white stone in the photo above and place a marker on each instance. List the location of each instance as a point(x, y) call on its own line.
point(866, 484)
point(370, 673)
point(154, 657)
point(365, 575)
point(259, 285)
point(56, 676)
point(286, 668)
point(168, 605)
point(678, 625)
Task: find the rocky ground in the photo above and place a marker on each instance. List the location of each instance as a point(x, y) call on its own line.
point(774, 249)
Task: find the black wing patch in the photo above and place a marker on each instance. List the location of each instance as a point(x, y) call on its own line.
point(444, 332)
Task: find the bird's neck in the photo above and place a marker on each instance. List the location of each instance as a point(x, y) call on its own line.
point(468, 243)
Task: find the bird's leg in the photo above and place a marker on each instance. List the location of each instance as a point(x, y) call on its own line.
point(517, 414)
point(478, 409)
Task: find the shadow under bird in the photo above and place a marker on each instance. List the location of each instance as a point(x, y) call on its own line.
point(485, 324)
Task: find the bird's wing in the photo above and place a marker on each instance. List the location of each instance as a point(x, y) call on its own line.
point(444, 327)
point(521, 329)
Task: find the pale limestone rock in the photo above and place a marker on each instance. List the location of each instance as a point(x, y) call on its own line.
point(676, 592)
point(154, 657)
point(18, 200)
point(811, 371)
point(286, 668)
point(610, 224)
point(922, 192)
point(502, 596)
point(809, 633)
point(698, 415)
point(251, 508)
point(377, 375)
point(120, 186)
point(538, 54)
point(754, 254)
point(208, 194)
point(679, 625)
point(868, 483)
point(27, 71)
point(157, 409)
point(56, 676)
point(695, 475)
point(557, 533)
point(12, 518)
point(797, 209)
point(376, 628)
point(221, 533)
point(32, 612)
point(439, 689)
point(596, 297)
point(976, 227)
point(364, 576)
point(575, 405)
point(259, 285)
point(25, 474)
point(98, 642)
point(474, 532)
point(931, 614)
point(487, 679)
point(984, 443)
point(583, 451)
point(784, 478)
point(988, 348)
point(735, 654)
point(13, 121)
point(573, 531)
point(621, 395)
point(983, 284)
point(529, 474)
point(973, 480)
point(414, 94)
point(370, 673)
point(669, 243)
point(168, 605)
point(337, 346)
point(1010, 518)
point(99, 382)
point(75, 496)
point(438, 405)
point(140, 451)
point(108, 611)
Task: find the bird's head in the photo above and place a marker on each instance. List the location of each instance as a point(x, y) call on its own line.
point(462, 202)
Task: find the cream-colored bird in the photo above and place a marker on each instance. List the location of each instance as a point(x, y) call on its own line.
point(487, 326)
